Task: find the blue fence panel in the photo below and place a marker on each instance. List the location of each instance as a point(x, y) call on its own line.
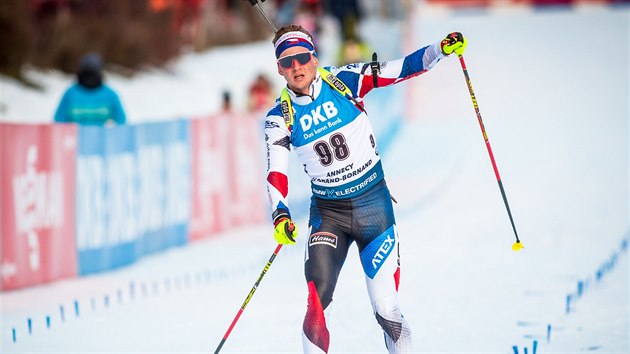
point(164, 179)
point(106, 206)
point(133, 192)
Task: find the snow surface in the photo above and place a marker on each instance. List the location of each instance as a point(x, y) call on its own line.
point(553, 92)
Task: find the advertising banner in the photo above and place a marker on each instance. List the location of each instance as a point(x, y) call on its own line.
point(133, 192)
point(164, 181)
point(107, 198)
point(227, 173)
point(86, 199)
point(210, 175)
point(37, 177)
point(246, 155)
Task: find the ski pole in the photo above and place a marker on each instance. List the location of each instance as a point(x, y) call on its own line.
point(249, 297)
point(517, 245)
point(264, 15)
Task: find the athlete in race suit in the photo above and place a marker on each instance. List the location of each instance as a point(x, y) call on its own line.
point(321, 115)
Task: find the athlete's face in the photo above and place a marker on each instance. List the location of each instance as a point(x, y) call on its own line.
point(299, 76)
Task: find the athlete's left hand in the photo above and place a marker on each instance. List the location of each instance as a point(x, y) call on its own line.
point(285, 231)
point(454, 42)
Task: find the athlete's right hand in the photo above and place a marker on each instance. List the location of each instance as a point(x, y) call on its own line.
point(285, 231)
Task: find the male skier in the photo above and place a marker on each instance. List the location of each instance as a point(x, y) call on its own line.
point(321, 114)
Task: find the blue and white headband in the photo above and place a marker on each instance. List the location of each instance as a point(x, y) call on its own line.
point(293, 39)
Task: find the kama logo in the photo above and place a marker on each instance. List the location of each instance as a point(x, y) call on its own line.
point(316, 117)
point(323, 238)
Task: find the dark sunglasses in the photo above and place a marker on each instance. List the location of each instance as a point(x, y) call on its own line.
point(302, 58)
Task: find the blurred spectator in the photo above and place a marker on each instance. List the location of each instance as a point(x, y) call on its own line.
point(347, 13)
point(354, 50)
point(226, 103)
point(286, 11)
point(307, 15)
point(89, 101)
point(261, 94)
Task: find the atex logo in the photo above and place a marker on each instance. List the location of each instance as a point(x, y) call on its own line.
point(383, 251)
point(323, 238)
